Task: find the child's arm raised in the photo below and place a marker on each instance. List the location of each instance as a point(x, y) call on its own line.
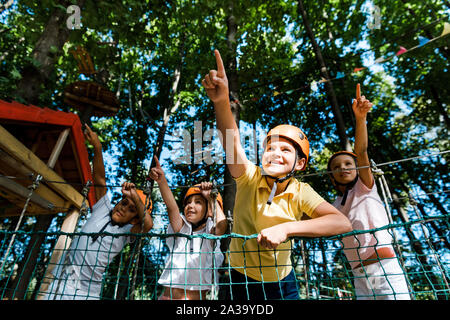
point(98, 171)
point(216, 85)
point(361, 106)
point(157, 174)
point(221, 220)
point(129, 189)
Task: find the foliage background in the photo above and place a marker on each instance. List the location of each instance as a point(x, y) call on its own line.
point(156, 53)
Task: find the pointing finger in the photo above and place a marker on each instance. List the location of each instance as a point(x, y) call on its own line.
point(358, 92)
point(156, 161)
point(219, 62)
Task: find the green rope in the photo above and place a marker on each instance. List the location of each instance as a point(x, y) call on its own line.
point(320, 267)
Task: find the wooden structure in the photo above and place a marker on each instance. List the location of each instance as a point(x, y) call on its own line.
point(89, 97)
point(46, 142)
point(49, 143)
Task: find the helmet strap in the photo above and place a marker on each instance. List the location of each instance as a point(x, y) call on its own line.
point(203, 220)
point(112, 222)
point(348, 187)
point(198, 224)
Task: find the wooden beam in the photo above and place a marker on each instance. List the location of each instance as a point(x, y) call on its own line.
point(32, 210)
point(21, 153)
point(63, 243)
point(57, 148)
point(23, 192)
point(10, 166)
point(51, 147)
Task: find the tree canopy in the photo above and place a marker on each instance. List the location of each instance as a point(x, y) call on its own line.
point(153, 54)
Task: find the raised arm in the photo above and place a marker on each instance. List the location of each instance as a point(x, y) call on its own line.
point(216, 86)
point(361, 106)
point(157, 174)
point(98, 170)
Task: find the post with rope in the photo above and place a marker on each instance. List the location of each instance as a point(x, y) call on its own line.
point(70, 223)
point(305, 266)
point(213, 195)
point(387, 198)
point(147, 191)
point(426, 234)
point(32, 188)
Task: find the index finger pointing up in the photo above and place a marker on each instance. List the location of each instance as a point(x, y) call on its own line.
point(358, 92)
point(219, 62)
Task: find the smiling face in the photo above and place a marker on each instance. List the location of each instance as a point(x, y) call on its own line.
point(125, 211)
point(279, 157)
point(195, 208)
point(343, 163)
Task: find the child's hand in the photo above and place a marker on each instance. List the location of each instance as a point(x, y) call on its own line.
point(272, 237)
point(216, 82)
point(206, 188)
point(361, 106)
point(92, 137)
point(157, 173)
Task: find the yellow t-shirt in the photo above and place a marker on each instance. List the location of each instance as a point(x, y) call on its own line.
point(252, 214)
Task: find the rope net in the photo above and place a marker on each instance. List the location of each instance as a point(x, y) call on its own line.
point(320, 267)
point(124, 265)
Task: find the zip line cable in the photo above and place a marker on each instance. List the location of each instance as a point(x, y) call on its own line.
point(229, 184)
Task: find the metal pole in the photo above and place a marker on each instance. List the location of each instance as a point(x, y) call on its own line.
point(213, 195)
point(413, 203)
point(383, 184)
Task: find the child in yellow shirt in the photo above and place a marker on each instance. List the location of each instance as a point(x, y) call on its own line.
point(269, 202)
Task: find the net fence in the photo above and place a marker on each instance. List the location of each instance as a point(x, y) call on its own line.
point(320, 266)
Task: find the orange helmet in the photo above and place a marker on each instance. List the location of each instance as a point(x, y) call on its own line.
point(338, 154)
point(143, 197)
point(293, 134)
point(196, 190)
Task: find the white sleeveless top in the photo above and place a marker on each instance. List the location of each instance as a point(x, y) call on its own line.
point(189, 265)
